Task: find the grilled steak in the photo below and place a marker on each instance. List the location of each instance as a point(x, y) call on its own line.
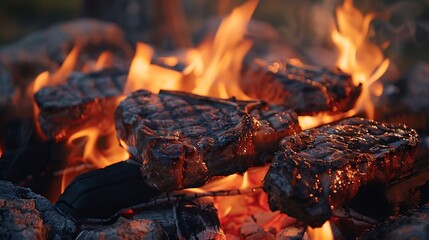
point(306, 89)
point(184, 139)
point(274, 123)
point(84, 100)
point(322, 168)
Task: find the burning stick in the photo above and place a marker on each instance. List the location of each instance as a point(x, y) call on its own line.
point(174, 197)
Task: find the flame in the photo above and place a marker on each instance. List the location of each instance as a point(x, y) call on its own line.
point(222, 59)
point(104, 60)
point(144, 75)
point(359, 57)
point(322, 233)
point(234, 211)
point(93, 147)
point(60, 76)
point(47, 79)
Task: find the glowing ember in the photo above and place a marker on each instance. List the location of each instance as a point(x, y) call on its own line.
point(248, 209)
point(322, 233)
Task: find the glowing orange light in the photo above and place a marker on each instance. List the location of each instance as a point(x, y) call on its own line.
point(144, 75)
point(60, 76)
point(359, 57)
point(137, 76)
point(222, 58)
point(322, 233)
point(104, 60)
point(100, 149)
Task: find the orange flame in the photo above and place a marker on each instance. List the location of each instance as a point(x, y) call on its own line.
point(359, 57)
point(222, 59)
point(60, 76)
point(322, 233)
point(104, 60)
point(144, 75)
point(100, 149)
point(234, 211)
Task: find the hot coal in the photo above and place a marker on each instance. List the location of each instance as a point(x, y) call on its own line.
point(306, 89)
point(85, 100)
point(120, 183)
point(26, 215)
point(321, 169)
point(412, 225)
point(182, 139)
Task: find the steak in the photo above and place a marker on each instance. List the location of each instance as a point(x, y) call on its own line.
point(306, 89)
point(85, 100)
point(182, 139)
point(321, 169)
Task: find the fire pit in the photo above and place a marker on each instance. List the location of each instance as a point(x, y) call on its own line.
point(242, 136)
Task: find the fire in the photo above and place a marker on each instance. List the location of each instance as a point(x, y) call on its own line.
point(213, 69)
point(144, 75)
point(359, 57)
point(104, 60)
point(249, 209)
point(322, 233)
point(222, 58)
point(93, 147)
point(47, 79)
point(60, 76)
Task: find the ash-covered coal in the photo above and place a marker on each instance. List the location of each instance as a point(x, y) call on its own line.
point(26, 215)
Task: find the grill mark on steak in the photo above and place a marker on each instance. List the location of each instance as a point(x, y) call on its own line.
point(306, 89)
point(184, 139)
point(84, 100)
point(322, 168)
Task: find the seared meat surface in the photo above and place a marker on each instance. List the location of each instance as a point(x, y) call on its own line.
point(85, 100)
point(274, 123)
point(306, 89)
point(184, 139)
point(321, 169)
